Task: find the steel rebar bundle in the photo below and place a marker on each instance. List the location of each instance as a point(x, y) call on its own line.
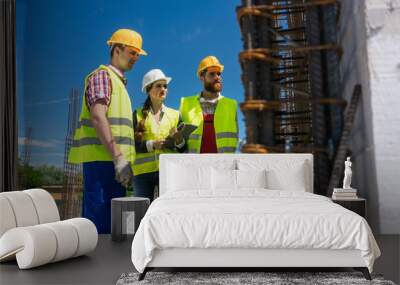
point(290, 71)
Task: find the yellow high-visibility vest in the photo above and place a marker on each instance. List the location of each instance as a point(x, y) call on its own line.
point(149, 161)
point(225, 123)
point(86, 145)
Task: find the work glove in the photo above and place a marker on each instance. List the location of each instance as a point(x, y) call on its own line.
point(123, 171)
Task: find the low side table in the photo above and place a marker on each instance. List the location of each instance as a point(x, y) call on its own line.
point(356, 205)
point(126, 214)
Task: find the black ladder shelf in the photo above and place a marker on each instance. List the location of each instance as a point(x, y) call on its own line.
point(341, 152)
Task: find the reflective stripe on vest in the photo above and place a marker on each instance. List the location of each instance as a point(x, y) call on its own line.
point(96, 141)
point(86, 145)
point(148, 161)
point(223, 135)
point(141, 160)
point(226, 149)
point(226, 132)
point(194, 136)
point(111, 121)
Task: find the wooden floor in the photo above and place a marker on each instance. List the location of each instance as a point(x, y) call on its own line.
point(110, 259)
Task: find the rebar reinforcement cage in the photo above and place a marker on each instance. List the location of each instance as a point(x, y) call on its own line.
point(290, 73)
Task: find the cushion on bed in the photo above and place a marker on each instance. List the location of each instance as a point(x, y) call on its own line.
point(184, 177)
point(251, 178)
point(223, 179)
point(227, 179)
point(288, 177)
point(187, 175)
point(281, 174)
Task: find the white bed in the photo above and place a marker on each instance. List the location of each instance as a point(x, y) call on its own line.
point(213, 223)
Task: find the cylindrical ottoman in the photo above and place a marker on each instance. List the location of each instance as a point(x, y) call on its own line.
point(126, 214)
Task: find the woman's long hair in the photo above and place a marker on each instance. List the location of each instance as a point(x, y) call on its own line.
point(139, 131)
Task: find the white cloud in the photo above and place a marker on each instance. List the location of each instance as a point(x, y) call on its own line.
point(55, 141)
point(189, 37)
point(57, 154)
point(37, 143)
point(48, 102)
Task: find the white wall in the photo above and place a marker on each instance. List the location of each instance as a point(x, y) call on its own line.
point(383, 46)
point(370, 35)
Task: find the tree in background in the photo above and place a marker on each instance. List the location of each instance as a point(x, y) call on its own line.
point(37, 176)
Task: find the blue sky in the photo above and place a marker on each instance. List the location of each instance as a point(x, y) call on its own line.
point(60, 42)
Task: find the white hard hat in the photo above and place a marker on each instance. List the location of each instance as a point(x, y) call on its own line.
point(153, 76)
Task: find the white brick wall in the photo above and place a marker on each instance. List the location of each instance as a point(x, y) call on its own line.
point(370, 36)
point(383, 47)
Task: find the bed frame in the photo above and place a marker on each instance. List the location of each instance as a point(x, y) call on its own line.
point(250, 259)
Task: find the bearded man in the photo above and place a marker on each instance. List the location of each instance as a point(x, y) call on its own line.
point(214, 114)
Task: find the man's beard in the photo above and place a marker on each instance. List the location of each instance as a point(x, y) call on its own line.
point(213, 87)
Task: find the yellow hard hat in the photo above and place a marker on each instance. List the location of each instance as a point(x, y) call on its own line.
point(129, 38)
point(207, 62)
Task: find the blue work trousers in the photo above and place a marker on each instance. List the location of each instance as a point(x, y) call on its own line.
point(100, 187)
point(144, 184)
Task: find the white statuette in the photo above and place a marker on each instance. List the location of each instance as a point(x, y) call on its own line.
point(347, 174)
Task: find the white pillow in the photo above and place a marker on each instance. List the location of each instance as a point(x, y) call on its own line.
point(293, 178)
point(251, 178)
point(188, 177)
point(282, 174)
point(193, 174)
point(223, 179)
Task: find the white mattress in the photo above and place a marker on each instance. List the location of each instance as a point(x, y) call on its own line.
point(252, 218)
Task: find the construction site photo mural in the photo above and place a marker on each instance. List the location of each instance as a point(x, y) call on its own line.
point(291, 100)
point(290, 65)
point(248, 136)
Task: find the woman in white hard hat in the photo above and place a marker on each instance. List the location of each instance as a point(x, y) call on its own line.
point(155, 127)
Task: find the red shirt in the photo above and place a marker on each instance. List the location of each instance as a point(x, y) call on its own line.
point(208, 141)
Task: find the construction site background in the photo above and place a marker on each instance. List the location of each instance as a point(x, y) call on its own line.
point(301, 63)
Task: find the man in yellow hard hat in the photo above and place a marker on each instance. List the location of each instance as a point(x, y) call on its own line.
point(104, 138)
point(214, 114)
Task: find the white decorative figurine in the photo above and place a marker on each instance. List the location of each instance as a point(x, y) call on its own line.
point(347, 174)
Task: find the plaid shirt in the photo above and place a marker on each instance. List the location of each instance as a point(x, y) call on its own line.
point(99, 86)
